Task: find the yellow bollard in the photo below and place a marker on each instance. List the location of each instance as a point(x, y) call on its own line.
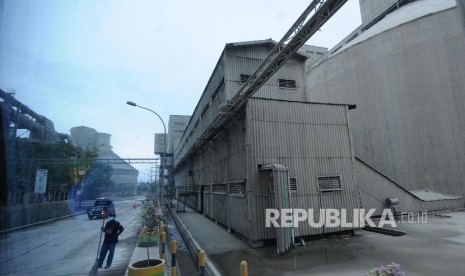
point(162, 245)
point(244, 271)
point(173, 257)
point(202, 263)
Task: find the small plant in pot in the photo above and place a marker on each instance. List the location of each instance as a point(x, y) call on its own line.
point(151, 220)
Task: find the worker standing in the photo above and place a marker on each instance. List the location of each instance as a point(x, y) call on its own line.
point(112, 230)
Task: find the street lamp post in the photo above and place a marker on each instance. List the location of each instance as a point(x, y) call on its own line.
point(164, 146)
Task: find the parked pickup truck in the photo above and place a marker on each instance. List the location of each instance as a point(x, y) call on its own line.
point(103, 207)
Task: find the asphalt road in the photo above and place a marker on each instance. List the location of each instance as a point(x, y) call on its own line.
point(67, 246)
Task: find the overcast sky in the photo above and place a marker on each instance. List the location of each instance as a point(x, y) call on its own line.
point(77, 62)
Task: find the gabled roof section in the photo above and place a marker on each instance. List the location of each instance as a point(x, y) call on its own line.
point(266, 42)
point(350, 106)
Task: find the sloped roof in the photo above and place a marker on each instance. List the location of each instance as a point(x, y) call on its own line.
point(267, 42)
point(427, 195)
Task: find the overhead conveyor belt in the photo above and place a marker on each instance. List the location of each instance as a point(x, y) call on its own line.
point(311, 20)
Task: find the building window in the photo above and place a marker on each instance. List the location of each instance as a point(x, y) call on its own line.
point(286, 83)
point(217, 90)
point(237, 188)
point(219, 188)
point(204, 111)
point(196, 123)
point(329, 183)
point(244, 78)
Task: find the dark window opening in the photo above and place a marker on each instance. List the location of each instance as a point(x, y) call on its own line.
point(204, 111)
point(244, 77)
point(218, 89)
point(287, 83)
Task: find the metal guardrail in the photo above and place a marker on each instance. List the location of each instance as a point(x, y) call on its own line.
point(193, 246)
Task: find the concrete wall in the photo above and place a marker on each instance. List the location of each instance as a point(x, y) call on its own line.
point(84, 137)
point(16, 216)
point(159, 143)
point(375, 188)
point(176, 126)
point(371, 9)
point(408, 84)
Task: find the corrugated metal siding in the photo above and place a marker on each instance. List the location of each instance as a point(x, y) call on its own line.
point(220, 208)
point(237, 214)
point(219, 161)
point(312, 140)
point(311, 201)
point(207, 202)
point(375, 188)
point(206, 99)
point(292, 70)
point(240, 60)
point(340, 200)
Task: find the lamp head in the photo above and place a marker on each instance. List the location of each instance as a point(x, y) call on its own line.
point(131, 103)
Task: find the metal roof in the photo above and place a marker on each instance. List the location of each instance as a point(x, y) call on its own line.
point(351, 106)
point(427, 195)
point(261, 42)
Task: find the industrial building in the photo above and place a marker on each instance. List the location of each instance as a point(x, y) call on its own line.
point(176, 126)
point(165, 148)
point(405, 74)
point(20, 129)
point(333, 130)
point(124, 176)
point(278, 132)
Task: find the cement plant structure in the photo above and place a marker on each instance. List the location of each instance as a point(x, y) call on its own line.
point(124, 175)
point(377, 117)
point(406, 76)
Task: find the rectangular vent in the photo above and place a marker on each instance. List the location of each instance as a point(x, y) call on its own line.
point(329, 183)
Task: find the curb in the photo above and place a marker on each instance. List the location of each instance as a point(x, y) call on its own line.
point(193, 246)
